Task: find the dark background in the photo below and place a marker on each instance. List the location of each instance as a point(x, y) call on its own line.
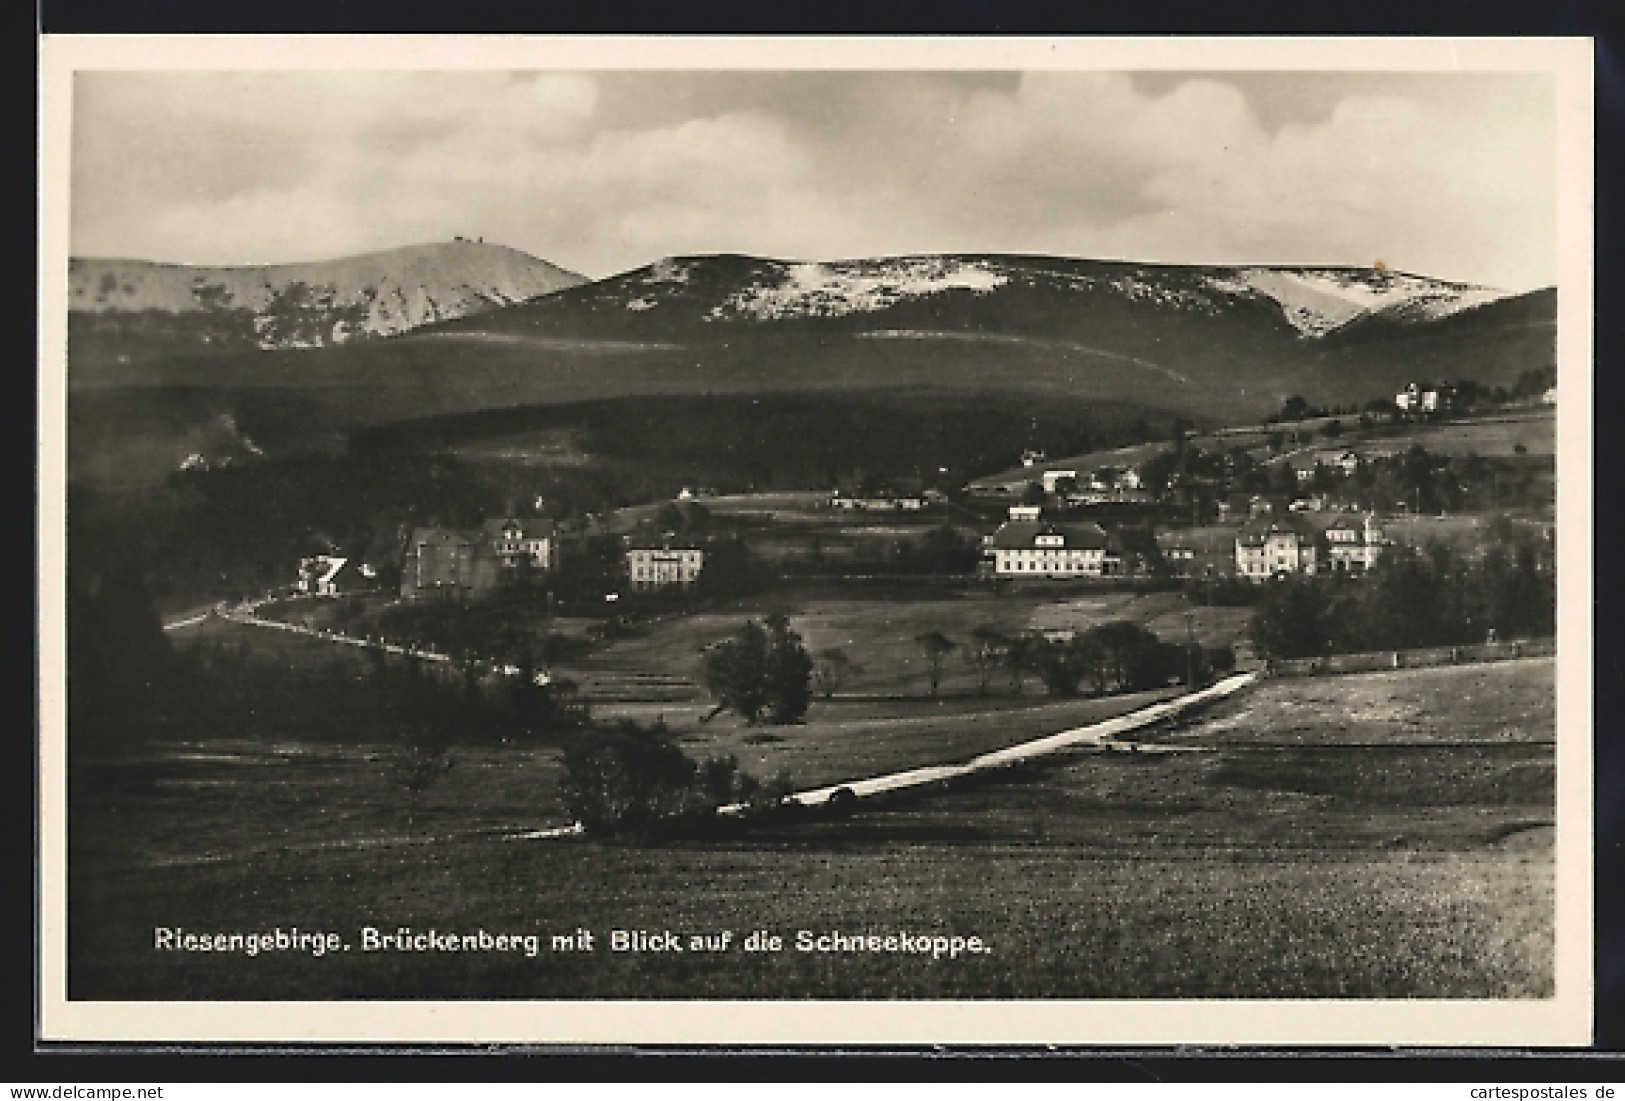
point(27, 1061)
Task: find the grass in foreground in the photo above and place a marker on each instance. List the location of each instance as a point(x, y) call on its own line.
point(1510, 701)
point(1367, 861)
point(1116, 875)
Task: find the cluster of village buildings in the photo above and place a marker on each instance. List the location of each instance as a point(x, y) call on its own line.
point(460, 564)
point(1274, 537)
point(1028, 546)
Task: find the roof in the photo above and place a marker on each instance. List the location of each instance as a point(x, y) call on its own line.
point(326, 567)
point(663, 541)
point(529, 529)
point(1256, 537)
point(1181, 537)
point(439, 537)
point(1023, 534)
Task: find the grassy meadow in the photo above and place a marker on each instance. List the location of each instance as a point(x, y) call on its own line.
point(1357, 836)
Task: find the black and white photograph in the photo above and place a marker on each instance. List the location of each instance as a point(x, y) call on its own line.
point(625, 541)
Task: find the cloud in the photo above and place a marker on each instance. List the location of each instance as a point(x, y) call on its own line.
point(607, 171)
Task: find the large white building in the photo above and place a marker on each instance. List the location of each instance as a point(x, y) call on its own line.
point(1278, 549)
point(1035, 548)
point(653, 563)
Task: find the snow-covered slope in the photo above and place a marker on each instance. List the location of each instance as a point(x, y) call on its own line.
point(859, 286)
point(1320, 300)
point(1314, 301)
point(323, 302)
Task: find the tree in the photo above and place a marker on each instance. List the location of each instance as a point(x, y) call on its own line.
point(761, 670)
point(736, 672)
point(1018, 657)
point(624, 779)
point(789, 673)
point(1135, 658)
point(420, 714)
point(831, 669)
point(630, 781)
point(985, 652)
point(1057, 666)
point(935, 646)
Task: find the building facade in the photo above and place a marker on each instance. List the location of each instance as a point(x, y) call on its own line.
point(1033, 548)
point(1421, 397)
point(331, 575)
point(655, 563)
point(1353, 547)
point(520, 544)
point(1278, 549)
point(445, 563)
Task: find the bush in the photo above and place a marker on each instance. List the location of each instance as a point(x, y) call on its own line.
point(634, 782)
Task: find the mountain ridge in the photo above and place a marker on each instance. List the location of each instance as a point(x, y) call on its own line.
point(1036, 330)
point(1312, 300)
point(304, 304)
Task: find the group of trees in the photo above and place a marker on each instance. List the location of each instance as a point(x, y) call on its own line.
point(1415, 479)
point(1434, 596)
point(1120, 656)
point(633, 781)
point(1124, 657)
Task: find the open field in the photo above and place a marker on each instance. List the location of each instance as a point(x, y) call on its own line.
point(1506, 702)
point(1457, 531)
point(878, 636)
point(1254, 869)
point(300, 651)
point(832, 747)
point(1498, 437)
point(1113, 877)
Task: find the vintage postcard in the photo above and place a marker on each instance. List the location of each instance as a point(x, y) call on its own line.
point(806, 541)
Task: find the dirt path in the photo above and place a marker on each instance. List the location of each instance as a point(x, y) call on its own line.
point(1095, 734)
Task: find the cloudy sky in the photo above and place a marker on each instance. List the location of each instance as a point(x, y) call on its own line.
point(1445, 174)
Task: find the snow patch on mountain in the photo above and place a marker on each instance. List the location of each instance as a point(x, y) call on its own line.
point(1142, 290)
point(841, 288)
point(1319, 301)
point(313, 304)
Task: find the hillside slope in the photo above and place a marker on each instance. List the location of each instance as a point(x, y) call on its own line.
point(1215, 345)
point(303, 305)
point(1036, 296)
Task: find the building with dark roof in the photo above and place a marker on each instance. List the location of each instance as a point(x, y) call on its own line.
point(1040, 548)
